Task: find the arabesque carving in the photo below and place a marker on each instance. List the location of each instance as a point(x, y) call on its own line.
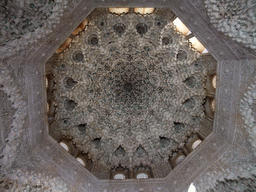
point(239, 184)
point(248, 111)
point(19, 180)
point(24, 22)
point(235, 18)
point(9, 149)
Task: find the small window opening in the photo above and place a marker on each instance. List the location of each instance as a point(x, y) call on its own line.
point(47, 107)
point(197, 44)
point(181, 27)
point(119, 176)
point(180, 159)
point(119, 10)
point(81, 161)
point(46, 83)
point(80, 27)
point(144, 10)
point(64, 45)
point(213, 105)
point(142, 176)
point(196, 143)
point(214, 81)
point(64, 145)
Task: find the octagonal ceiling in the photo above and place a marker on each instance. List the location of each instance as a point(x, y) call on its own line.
point(196, 162)
point(130, 92)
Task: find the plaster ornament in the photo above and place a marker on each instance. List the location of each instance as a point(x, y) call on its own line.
point(24, 23)
point(248, 111)
point(15, 125)
point(235, 18)
point(238, 184)
point(19, 180)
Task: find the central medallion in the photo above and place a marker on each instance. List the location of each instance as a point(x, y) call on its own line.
point(131, 87)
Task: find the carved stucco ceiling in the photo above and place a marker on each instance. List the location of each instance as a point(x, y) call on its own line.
point(223, 128)
point(129, 90)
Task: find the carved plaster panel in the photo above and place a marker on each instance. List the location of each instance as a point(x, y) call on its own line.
point(15, 118)
point(239, 184)
point(248, 112)
point(24, 22)
point(235, 18)
point(19, 180)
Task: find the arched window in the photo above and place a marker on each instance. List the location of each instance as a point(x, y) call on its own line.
point(119, 176)
point(81, 161)
point(64, 145)
point(180, 159)
point(142, 176)
point(196, 143)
